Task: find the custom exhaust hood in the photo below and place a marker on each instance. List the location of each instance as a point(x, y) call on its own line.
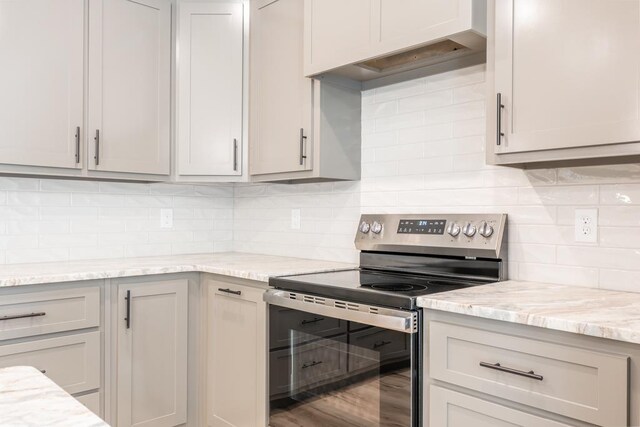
point(393, 39)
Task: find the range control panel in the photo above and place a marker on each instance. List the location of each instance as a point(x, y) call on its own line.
point(421, 226)
point(445, 234)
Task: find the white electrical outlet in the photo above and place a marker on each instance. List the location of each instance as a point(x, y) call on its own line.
point(586, 225)
point(166, 218)
point(295, 219)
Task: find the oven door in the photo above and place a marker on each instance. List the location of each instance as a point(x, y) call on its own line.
point(333, 363)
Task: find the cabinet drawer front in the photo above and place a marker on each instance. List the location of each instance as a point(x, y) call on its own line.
point(581, 384)
point(72, 362)
point(91, 401)
point(308, 366)
point(312, 324)
point(37, 313)
point(370, 347)
point(450, 409)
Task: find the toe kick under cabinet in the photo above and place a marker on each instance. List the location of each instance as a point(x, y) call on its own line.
point(487, 373)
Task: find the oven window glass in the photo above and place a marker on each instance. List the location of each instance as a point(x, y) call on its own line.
point(325, 371)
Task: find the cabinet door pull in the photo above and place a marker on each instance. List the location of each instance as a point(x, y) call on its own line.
point(127, 319)
point(44, 371)
point(97, 140)
point(312, 364)
point(303, 138)
point(235, 154)
point(22, 316)
point(314, 320)
point(498, 367)
point(229, 291)
point(77, 145)
point(380, 344)
point(499, 133)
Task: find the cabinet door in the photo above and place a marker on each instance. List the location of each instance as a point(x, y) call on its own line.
point(210, 89)
point(281, 98)
point(337, 31)
point(236, 356)
point(129, 85)
point(152, 354)
point(451, 409)
point(41, 82)
point(568, 72)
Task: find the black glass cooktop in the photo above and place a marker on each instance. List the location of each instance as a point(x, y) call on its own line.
point(389, 289)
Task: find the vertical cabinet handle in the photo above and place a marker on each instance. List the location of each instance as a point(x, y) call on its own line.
point(97, 140)
point(303, 138)
point(235, 154)
point(77, 145)
point(127, 319)
point(499, 133)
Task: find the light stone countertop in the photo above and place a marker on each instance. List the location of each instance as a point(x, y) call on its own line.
point(29, 398)
point(246, 266)
point(586, 311)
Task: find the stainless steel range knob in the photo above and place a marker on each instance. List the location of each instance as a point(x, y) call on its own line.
point(376, 227)
point(365, 227)
point(453, 229)
point(485, 230)
point(469, 230)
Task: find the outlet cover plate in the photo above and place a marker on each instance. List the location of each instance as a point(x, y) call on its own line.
point(586, 225)
point(166, 218)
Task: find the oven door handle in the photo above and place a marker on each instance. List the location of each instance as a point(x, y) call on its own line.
point(386, 318)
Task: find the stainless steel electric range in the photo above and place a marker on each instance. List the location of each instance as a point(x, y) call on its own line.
point(345, 347)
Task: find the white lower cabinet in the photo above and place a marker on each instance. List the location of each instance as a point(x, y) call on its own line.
point(236, 333)
point(152, 353)
point(452, 409)
point(488, 373)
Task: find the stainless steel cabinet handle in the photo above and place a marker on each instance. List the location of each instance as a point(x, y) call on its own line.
point(229, 291)
point(303, 138)
point(235, 154)
point(77, 144)
point(312, 364)
point(23, 316)
point(97, 140)
point(499, 133)
point(127, 319)
point(498, 367)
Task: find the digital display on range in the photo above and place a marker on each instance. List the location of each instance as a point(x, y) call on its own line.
point(421, 226)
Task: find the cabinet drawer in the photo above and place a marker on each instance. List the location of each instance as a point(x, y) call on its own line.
point(91, 401)
point(72, 362)
point(374, 346)
point(37, 313)
point(582, 384)
point(314, 325)
point(451, 409)
point(307, 366)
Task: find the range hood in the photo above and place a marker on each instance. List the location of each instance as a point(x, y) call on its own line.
point(397, 43)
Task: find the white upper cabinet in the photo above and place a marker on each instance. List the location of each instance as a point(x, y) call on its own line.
point(567, 73)
point(210, 89)
point(280, 94)
point(41, 82)
point(300, 128)
point(129, 86)
point(350, 38)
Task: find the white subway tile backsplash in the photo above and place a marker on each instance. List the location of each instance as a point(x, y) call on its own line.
point(60, 220)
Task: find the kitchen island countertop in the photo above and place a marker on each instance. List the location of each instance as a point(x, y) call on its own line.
point(28, 398)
